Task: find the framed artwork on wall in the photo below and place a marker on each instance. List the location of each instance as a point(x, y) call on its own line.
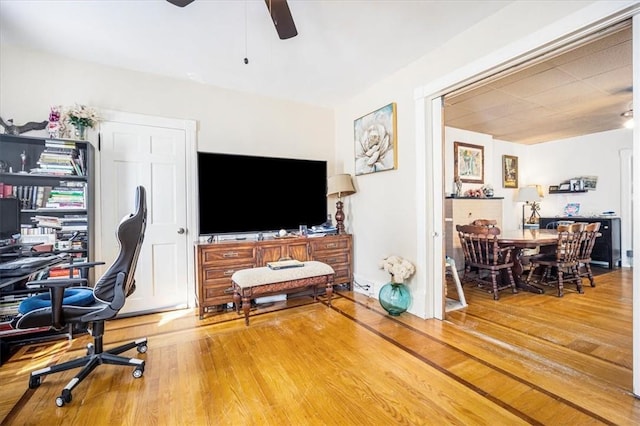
point(509, 171)
point(376, 141)
point(468, 162)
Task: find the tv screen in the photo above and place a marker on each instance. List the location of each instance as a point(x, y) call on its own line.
point(9, 218)
point(242, 193)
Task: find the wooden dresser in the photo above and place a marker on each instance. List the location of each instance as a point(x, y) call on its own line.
point(463, 211)
point(216, 262)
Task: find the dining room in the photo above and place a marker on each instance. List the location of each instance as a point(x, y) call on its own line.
point(547, 155)
point(553, 122)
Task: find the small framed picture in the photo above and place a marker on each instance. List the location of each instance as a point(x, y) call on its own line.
point(468, 162)
point(509, 171)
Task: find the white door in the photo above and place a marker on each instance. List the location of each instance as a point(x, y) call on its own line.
point(154, 157)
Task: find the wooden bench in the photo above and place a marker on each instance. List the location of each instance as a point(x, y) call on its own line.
point(255, 282)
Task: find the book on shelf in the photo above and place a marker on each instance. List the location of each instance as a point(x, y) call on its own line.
point(64, 273)
point(7, 190)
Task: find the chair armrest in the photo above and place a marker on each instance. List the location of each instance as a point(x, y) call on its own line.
point(56, 290)
point(59, 282)
point(505, 252)
point(79, 265)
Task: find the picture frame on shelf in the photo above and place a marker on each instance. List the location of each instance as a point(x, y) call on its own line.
point(468, 162)
point(509, 171)
point(375, 139)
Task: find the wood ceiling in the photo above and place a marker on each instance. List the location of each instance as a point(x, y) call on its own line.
point(581, 91)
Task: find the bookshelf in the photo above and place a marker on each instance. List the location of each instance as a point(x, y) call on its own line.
point(53, 180)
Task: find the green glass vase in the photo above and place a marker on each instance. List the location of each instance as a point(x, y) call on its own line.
point(80, 132)
point(394, 298)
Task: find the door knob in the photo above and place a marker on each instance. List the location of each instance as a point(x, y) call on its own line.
point(180, 230)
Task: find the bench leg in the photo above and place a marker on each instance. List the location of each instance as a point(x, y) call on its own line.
point(236, 301)
point(329, 292)
point(246, 306)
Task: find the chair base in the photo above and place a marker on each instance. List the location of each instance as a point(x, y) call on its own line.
point(95, 356)
point(555, 277)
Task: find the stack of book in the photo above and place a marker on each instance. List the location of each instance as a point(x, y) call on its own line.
point(60, 157)
point(68, 195)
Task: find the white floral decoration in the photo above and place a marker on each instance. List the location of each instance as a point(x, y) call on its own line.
point(81, 115)
point(399, 268)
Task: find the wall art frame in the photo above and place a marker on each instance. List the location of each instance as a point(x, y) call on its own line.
point(510, 171)
point(376, 141)
point(468, 162)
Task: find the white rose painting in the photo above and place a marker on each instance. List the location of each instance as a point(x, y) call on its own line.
point(375, 141)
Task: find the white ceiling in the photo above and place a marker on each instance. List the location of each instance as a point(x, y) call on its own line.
point(342, 47)
point(582, 91)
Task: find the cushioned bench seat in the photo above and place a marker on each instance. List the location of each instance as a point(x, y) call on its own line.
point(254, 282)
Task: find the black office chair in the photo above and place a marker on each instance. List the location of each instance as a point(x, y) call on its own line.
point(66, 303)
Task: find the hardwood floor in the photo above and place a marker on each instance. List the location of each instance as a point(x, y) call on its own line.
point(525, 359)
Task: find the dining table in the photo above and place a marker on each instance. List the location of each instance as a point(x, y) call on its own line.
point(521, 239)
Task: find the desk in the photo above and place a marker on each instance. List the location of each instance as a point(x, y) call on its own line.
point(253, 282)
point(527, 238)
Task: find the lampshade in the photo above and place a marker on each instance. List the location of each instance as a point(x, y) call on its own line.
point(528, 194)
point(340, 185)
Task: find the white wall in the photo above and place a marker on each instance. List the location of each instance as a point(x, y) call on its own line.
point(546, 164)
point(228, 121)
point(593, 155)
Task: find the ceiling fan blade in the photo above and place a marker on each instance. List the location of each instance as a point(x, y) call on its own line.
point(282, 19)
point(180, 3)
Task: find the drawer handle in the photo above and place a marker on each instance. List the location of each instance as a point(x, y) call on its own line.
point(229, 272)
point(331, 260)
point(230, 254)
point(228, 290)
point(330, 245)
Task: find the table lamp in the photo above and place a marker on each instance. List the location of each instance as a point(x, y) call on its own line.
point(341, 186)
point(530, 195)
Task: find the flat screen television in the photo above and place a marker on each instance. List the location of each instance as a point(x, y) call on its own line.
point(9, 218)
point(249, 194)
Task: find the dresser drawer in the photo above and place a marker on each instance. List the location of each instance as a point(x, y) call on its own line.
point(233, 255)
point(214, 274)
point(328, 243)
point(332, 258)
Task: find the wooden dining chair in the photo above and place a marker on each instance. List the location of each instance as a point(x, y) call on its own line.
point(483, 255)
point(489, 223)
point(561, 266)
point(589, 235)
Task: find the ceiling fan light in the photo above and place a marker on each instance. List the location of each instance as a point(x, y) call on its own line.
point(627, 114)
point(629, 123)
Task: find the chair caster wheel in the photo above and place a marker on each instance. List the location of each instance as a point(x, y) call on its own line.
point(142, 348)
point(34, 382)
point(64, 398)
point(90, 349)
point(137, 373)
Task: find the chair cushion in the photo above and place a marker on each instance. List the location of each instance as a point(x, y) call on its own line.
point(72, 296)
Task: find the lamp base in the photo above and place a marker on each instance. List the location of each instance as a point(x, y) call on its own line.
point(340, 217)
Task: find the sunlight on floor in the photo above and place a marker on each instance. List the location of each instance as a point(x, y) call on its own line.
point(167, 317)
point(42, 356)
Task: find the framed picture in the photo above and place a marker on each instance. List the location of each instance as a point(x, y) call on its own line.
point(468, 162)
point(509, 171)
point(376, 141)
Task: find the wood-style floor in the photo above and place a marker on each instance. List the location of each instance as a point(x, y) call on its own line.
point(525, 359)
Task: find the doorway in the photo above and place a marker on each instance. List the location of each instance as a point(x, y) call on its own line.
point(429, 125)
point(141, 150)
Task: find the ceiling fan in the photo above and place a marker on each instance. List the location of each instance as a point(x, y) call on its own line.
point(279, 11)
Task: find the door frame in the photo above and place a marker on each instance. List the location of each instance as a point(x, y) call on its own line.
point(429, 134)
point(189, 127)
